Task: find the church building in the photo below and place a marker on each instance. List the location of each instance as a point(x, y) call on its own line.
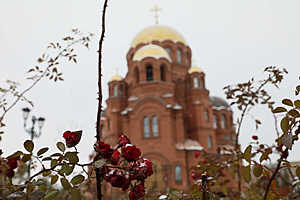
point(164, 107)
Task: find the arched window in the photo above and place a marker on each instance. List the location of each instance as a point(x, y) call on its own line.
point(187, 58)
point(146, 127)
point(168, 50)
point(179, 56)
point(154, 126)
point(163, 73)
point(215, 121)
point(115, 90)
point(195, 82)
point(149, 73)
point(223, 121)
point(209, 142)
point(137, 75)
point(121, 89)
point(178, 176)
point(206, 113)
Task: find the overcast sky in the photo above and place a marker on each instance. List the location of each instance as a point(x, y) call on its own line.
point(231, 40)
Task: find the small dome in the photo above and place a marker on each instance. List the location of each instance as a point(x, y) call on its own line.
point(116, 78)
point(195, 69)
point(157, 32)
point(151, 51)
point(219, 103)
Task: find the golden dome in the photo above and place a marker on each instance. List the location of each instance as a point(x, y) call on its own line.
point(116, 78)
point(151, 50)
point(159, 33)
point(195, 69)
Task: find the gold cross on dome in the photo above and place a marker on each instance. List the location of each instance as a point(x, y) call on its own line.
point(156, 9)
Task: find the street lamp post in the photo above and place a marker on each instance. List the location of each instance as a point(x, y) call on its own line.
point(32, 131)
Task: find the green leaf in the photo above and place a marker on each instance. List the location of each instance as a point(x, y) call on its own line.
point(246, 172)
point(46, 173)
point(294, 113)
point(287, 102)
point(61, 146)
point(72, 157)
point(257, 170)
point(279, 110)
point(51, 195)
point(53, 162)
point(298, 88)
point(77, 179)
point(247, 154)
point(28, 145)
point(54, 179)
point(26, 157)
point(298, 172)
point(75, 193)
point(265, 155)
point(16, 154)
point(69, 169)
point(56, 155)
point(42, 151)
point(284, 124)
point(65, 183)
point(297, 103)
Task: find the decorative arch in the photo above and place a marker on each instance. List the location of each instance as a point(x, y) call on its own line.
point(159, 102)
point(161, 172)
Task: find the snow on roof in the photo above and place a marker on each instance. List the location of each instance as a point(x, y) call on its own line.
point(189, 145)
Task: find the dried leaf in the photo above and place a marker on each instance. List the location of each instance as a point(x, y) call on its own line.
point(279, 110)
point(287, 102)
point(42, 151)
point(28, 145)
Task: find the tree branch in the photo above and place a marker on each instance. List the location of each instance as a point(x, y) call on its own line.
point(98, 128)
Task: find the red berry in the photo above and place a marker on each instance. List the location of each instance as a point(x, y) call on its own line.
point(103, 149)
point(137, 192)
point(254, 137)
point(72, 138)
point(131, 152)
point(115, 158)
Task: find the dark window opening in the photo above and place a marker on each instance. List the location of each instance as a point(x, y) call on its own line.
point(179, 56)
point(154, 126)
point(178, 176)
point(137, 75)
point(206, 115)
point(116, 90)
point(146, 127)
point(163, 73)
point(149, 73)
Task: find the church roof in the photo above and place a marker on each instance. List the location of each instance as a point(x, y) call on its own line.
point(116, 78)
point(219, 103)
point(157, 32)
point(151, 50)
point(195, 69)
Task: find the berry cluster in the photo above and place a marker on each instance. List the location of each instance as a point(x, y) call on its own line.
point(72, 138)
point(12, 164)
point(125, 168)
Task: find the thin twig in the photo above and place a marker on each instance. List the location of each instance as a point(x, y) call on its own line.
point(238, 134)
point(98, 173)
point(272, 178)
point(37, 80)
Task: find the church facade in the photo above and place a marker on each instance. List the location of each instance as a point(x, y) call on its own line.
point(164, 107)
